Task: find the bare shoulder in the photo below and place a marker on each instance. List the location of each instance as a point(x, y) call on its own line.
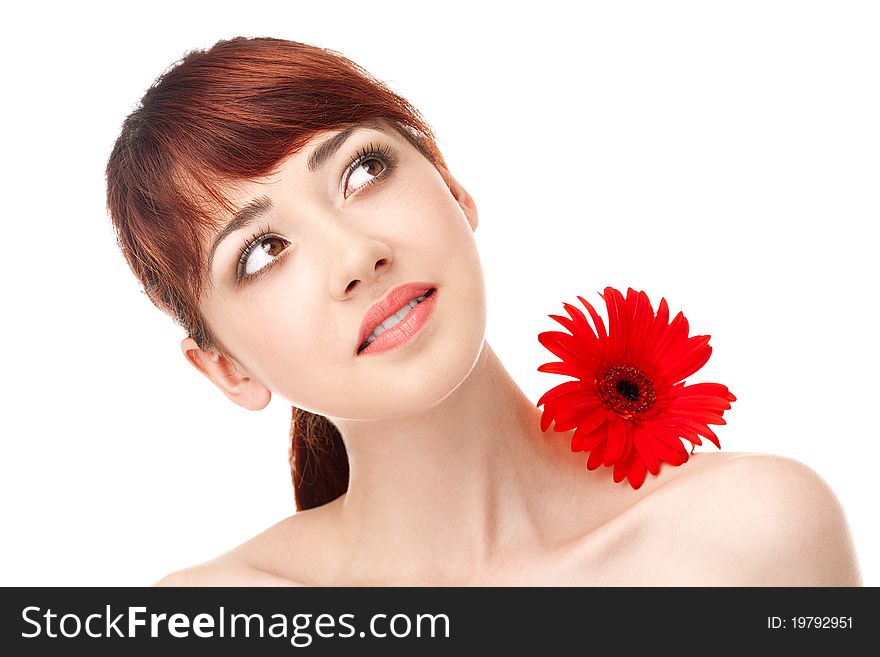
point(757, 519)
point(270, 558)
point(223, 571)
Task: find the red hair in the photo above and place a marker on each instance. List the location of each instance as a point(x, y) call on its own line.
point(232, 113)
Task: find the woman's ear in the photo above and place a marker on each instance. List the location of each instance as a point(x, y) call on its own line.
point(245, 391)
point(464, 199)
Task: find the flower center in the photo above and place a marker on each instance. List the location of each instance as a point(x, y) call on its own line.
point(626, 390)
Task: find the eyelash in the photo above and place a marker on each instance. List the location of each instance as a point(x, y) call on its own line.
point(383, 153)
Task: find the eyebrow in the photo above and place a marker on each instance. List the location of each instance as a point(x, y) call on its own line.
point(259, 206)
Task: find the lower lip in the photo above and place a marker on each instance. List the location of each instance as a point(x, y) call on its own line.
point(405, 330)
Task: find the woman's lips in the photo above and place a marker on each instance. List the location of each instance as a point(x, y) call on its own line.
point(405, 329)
point(394, 300)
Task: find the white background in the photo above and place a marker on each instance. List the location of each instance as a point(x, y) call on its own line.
point(722, 155)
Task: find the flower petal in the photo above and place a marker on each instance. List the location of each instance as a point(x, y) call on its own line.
point(701, 428)
point(622, 468)
point(591, 440)
point(709, 390)
point(690, 435)
point(572, 350)
point(683, 360)
point(645, 446)
point(668, 454)
point(571, 415)
point(669, 438)
point(596, 456)
point(658, 326)
point(565, 369)
point(618, 322)
point(642, 317)
point(581, 325)
point(637, 474)
point(616, 438)
point(671, 338)
point(628, 445)
point(597, 320)
point(594, 419)
point(567, 387)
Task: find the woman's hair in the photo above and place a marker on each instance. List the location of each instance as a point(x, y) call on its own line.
point(227, 114)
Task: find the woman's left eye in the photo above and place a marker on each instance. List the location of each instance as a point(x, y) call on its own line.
point(369, 166)
point(368, 170)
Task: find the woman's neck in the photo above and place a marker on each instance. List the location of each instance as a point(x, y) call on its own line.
point(441, 497)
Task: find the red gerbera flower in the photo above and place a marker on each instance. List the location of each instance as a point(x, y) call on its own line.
point(629, 406)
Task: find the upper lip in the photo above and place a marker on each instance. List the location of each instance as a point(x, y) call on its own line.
point(394, 300)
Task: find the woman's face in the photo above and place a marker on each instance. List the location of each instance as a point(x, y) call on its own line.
point(328, 244)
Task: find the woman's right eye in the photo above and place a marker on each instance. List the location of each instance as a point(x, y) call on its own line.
point(258, 255)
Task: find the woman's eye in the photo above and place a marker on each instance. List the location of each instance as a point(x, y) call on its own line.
point(365, 174)
point(259, 254)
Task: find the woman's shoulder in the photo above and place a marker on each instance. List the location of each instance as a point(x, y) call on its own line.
point(253, 563)
point(223, 571)
point(762, 519)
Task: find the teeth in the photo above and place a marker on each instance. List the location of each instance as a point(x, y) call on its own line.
point(394, 319)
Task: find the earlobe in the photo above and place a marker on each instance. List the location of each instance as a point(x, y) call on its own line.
point(242, 389)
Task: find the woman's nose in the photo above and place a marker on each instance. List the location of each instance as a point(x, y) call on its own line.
point(352, 254)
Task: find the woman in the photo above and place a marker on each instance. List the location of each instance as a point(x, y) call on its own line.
point(279, 202)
